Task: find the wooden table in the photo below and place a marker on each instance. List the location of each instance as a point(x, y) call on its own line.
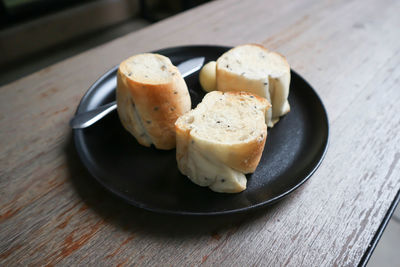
point(53, 212)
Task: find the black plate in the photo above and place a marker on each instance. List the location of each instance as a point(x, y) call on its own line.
point(149, 178)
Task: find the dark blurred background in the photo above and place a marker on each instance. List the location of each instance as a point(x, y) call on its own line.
point(38, 33)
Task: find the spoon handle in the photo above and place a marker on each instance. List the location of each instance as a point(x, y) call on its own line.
point(86, 119)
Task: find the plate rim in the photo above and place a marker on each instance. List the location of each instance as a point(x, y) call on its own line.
point(77, 133)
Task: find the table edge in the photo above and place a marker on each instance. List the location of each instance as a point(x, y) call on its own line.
point(379, 232)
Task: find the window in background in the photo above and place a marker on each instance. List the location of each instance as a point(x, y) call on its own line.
point(16, 11)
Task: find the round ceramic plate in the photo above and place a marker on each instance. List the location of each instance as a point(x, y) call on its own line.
point(149, 178)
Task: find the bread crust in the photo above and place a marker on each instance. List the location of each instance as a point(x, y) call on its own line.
point(158, 106)
point(274, 89)
point(242, 156)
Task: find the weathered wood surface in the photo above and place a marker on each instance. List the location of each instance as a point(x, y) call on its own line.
point(53, 212)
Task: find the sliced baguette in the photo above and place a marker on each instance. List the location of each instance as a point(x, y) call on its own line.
point(253, 68)
point(222, 139)
point(151, 95)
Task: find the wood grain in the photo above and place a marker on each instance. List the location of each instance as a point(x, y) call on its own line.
point(52, 212)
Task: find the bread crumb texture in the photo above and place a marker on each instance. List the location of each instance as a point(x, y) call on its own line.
point(222, 139)
point(151, 95)
point(148, 68)
point(253, 68)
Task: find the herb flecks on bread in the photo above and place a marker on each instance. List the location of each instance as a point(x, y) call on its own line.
point(253, 68)
point(222, 139)
point(151, 95)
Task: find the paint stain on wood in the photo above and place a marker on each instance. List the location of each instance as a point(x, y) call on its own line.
point(204, 259)
point(60, 111)
point(121, 264)
point(63, 224)
point(9, 213)
point(37, 249)
point(83, 208)
point(17, 198)
point(9, 251)
point(72, 244)
point(216, 236)
point(69, 209)
point(55, 182)
point(49, 92)
point(222, 243)
point(120, 247)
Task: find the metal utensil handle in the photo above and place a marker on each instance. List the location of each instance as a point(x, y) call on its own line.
point(87, 118)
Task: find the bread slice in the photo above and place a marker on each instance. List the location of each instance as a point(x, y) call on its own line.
point(253, 68)
point(222, 139)
point(151, 95)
